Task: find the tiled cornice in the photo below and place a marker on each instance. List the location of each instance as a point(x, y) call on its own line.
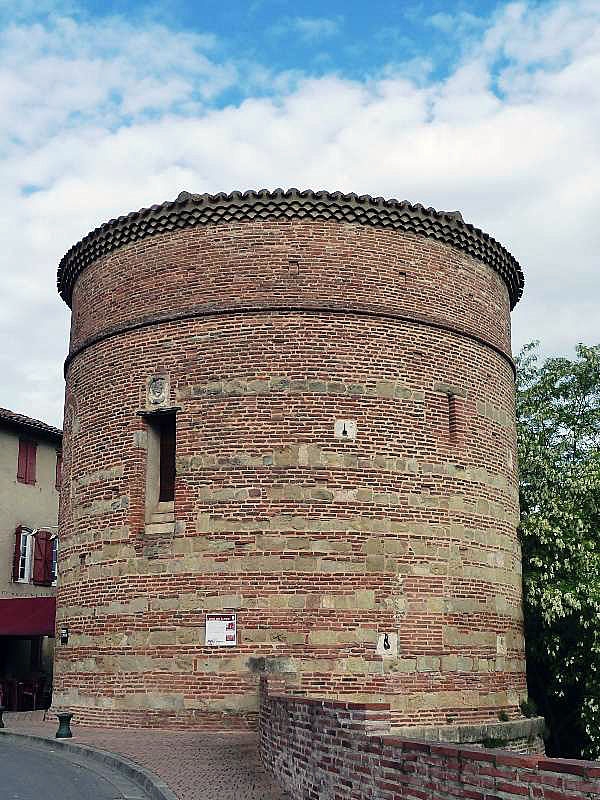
point(189, 210)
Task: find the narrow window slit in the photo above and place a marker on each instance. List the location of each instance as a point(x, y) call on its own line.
point(167, 459)
point(456, 420)
point(160, 468)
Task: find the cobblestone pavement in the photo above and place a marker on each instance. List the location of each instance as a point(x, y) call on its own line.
point(196, 765)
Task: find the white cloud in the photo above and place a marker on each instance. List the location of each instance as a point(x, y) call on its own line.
point(102, 119)
point(70, 75)
point(309, 29)
point(459, 22)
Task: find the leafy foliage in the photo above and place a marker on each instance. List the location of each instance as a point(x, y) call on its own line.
point(558, 413)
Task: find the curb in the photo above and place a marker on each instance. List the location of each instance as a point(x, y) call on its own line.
point(155, 788)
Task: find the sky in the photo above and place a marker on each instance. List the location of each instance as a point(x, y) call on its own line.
point(490, 108)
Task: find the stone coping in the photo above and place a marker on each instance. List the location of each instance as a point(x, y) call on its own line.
point(189, 210)
point(474, 733)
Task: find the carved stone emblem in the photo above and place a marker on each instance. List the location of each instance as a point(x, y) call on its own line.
point(158, 391)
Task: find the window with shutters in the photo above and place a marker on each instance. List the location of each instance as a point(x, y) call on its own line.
point(35, 557)
point(26, 462)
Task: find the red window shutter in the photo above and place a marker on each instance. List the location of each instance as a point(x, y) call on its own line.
point(42, 558)
point(31, 458)
point(49, 577)
point(22, 461)
point(58, 478)
point(26, 462)
point(17, 554)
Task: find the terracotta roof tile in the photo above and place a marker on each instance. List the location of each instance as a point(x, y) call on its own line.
point(21, 422)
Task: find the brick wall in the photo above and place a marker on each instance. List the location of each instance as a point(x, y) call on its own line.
point(335, 750)
point(267, 332)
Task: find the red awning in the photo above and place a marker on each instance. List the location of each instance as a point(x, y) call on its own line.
point(27, 616)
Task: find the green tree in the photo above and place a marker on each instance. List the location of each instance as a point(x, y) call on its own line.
point(558, 416)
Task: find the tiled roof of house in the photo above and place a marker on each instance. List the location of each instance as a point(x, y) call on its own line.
point(205, 209)
point(20, 422)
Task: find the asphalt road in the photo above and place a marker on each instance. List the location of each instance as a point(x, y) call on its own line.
point(32, 773)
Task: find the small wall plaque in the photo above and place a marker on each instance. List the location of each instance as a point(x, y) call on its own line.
point(387, 645)
point(345, 429)
point(221, 630)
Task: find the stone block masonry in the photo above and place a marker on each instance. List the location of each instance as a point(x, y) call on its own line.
point(343, 477)
point(337, 750)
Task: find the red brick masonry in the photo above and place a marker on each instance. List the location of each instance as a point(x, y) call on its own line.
point(268, 327)
point(329, 749)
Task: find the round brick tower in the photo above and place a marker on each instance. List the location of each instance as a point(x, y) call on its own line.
point(289, 446)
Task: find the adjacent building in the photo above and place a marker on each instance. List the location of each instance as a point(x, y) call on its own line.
point(30, 474)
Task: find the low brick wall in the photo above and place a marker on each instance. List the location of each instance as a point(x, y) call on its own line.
point(334, 751)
